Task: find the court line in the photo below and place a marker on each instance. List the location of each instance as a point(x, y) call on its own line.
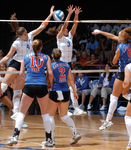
point(76, 128)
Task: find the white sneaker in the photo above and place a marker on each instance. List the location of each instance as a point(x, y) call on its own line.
point(79, 112)
point(103, 107)
point(105, 125)
point(25, 126)
point(89, 106)
point(69, 114)
point(13, 140)
point(48, 143)
point(44, 142)
point(128, 146)
point(75, 139)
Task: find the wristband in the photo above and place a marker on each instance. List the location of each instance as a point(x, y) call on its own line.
point(45, 23)
point(75, 21)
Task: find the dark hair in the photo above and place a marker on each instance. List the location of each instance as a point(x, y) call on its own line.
point(36, 46)
point(56, 54)
point(15, 26)
point(110, 74)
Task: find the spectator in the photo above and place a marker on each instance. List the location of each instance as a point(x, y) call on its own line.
point(82, 83)
point(112, 51)
point(93, 44)
point(104, 47)
point(93, 60)
point(78, 55)
point(83, 47)
point(106, 27)
point(84, 59)
point(106, 81)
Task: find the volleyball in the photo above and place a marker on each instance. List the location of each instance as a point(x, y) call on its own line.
point(58, 15)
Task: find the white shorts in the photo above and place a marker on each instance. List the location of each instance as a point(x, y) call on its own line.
point(129, 66)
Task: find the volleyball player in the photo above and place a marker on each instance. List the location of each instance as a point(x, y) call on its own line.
point(35, 85)
point(59, 94)
point(123, 55)
point(126, 86)
point(20, 47)
point(65, 44)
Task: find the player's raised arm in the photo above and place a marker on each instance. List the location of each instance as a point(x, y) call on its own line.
point(44, 23)
point(76, 18)
point(109, 35)
point(70, 11)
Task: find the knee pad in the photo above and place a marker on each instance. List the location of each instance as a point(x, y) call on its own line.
point(20, 115)
point(46, 117)
point(64, 118)
point(4, 87)
point(16, 100)
point(17, 94)
point(113, 98)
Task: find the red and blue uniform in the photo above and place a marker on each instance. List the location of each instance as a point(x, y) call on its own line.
point(35, 68)
point(60, 71)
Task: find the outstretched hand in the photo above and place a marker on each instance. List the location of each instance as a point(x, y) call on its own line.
point(78, 10)
point(52, 9)
point(70, 9)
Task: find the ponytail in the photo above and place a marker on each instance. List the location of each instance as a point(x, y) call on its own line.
point(126, 34)
point(15, 26)
point(36, 46)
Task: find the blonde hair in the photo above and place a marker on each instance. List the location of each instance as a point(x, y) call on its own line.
point(126, 34)
point(36, 46)
point(56, 53)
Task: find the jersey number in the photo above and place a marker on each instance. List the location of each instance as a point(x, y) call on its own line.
point(62, 70)
point(36, 62)
point(68, 44)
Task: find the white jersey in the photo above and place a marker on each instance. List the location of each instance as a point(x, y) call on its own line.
point(22, 47)
point(65, 44)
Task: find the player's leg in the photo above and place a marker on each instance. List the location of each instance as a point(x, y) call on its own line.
point(24, 105)
point(127, 83)
point(63, 107)
point(44, 106)
point(128, 124)
point(52, 110)
point(113, 103)
point(8, 79)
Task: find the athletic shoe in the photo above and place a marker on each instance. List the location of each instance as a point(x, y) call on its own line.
point(75, 139)
point(82, 107)
point(25, 126)
point(89, 106)
point(44, 142)
point(48, 143)
point(79, 112)
point(105, 124)
point(103, 107)
point(69, 113)
point(128, 146)
point(12, 141)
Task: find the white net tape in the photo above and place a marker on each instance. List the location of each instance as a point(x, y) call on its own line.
point(73, 71)
point(80, 21)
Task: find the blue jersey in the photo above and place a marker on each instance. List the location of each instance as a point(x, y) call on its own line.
point(60, 72)
point(125, 56)
point(35, 68)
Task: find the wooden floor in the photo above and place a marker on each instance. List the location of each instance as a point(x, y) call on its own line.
point(113, 138)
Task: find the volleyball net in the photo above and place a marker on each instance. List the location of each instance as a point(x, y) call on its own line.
point(7, 36)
